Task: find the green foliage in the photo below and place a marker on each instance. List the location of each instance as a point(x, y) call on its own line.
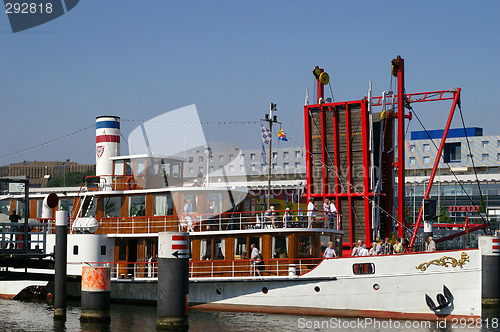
point(444, 217)
point(482, 206)
point(71, 179)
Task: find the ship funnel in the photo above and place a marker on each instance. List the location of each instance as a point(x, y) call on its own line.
point(49, 202)
point(107, 145)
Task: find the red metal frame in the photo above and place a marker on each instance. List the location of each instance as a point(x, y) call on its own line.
point(456, 97)
point(401, 147)
point(400, 164)
point(419, 97)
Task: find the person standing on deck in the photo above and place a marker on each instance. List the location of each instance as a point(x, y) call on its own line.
point(355, 250)
point(256, 258)
point(363, 251)
point(311, 213)
point(386, 247)
point(287, 218)
point(431, 246)
point(373, 249)
point(329, 251)
point(398, 247)
point(333, 214)
point(326, 210)
point(14, 218)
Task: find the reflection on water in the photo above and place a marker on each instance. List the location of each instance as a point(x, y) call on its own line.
point(21, 316)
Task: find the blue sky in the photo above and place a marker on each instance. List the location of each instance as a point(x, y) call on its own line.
point(139, 59)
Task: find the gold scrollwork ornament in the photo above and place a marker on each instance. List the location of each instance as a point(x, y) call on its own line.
point(445, 261)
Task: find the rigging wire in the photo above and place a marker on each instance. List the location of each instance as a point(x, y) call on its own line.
point(47, 143)
point(447, 164)
point(223, 123)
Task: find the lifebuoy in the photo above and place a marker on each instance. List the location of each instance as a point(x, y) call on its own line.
point(130, 183)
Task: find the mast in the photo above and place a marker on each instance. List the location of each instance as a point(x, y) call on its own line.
point(398, 69)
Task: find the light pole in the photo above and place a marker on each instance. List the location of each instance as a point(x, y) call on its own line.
point(64, 174)
point(208, 155)
point(270, 118)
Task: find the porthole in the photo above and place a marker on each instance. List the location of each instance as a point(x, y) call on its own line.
point(265, 290)
point(376, 286)
point(317, 289)
point(218, 291)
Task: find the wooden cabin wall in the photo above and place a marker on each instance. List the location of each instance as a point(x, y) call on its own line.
point(33, 208)
point(266, 246)
point(150, 204)
point(99, 210)
point(195, 249)
point(124, 207)
point(229, 248)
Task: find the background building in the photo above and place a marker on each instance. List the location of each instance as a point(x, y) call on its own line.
point(467, 179)
point(40, 172)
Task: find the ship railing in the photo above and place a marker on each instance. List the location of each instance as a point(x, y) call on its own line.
point(197, 222)
point(12, 237)
point(241, 268)
point(245, 268)
point(134, 270)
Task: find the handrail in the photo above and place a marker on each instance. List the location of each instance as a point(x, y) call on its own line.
point(11, 237)
point(244, 268)
point(226, 221)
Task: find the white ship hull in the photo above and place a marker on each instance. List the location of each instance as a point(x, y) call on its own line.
point(333, 289)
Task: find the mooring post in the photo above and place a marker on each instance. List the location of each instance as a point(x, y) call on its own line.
point(96, 293)
point(173, 280)
point(60, 265)
point(490, 250)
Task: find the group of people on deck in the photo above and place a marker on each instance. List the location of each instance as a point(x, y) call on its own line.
point(378, 248)
point(329, 211)
point(272, 218)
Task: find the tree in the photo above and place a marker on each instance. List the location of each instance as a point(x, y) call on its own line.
point(71, 179)
point(444, 217)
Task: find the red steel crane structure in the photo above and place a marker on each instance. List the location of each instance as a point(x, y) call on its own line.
point(346, 141)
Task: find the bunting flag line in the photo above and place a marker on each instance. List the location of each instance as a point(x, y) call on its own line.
point(281, 135)
point(266, 134)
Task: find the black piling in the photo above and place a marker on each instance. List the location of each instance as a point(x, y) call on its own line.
point(173, 280)
point(60, 265)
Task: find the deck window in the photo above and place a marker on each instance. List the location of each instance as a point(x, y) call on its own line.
point(75, 250)
point(219, 249)
point(103, 250)
point(206, 249)
point(280, 246)
point(363, 268)
point(119, 167)
point(305, 245)
point(66, 204)
point(137, 206)
point(164, 205)
point(240, 248)
point(112, 206)
point(192, 198)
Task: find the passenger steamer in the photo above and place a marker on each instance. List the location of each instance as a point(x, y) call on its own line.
point(117, 215)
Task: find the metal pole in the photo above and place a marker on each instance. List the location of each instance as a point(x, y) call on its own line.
point(26, 212)
point(60, 265)
point(269, 163)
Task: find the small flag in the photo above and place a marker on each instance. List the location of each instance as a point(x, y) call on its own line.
point(281, 135)
point(266, 134)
